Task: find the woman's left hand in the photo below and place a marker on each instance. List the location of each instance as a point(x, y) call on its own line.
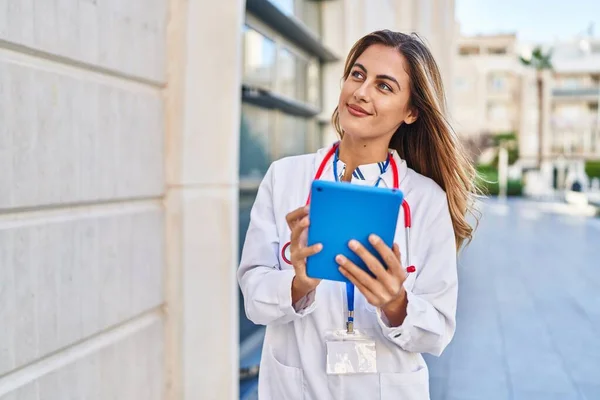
point(387, 291)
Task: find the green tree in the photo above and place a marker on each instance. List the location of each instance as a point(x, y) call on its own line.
point(509, 141)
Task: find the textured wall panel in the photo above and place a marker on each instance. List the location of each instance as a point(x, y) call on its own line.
point(129, 369)
point(125, 36)
point(65, 277)
point(68, 136)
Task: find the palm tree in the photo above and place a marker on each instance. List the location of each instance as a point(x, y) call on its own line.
point(541, 62)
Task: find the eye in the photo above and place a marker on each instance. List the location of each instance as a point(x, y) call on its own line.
point(357, 74)
point(385, 86)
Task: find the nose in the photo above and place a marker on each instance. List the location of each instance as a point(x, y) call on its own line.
point(362, 93)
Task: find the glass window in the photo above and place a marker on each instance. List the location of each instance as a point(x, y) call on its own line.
point(307, 11)
point(287, 73)
point(246, 201)
point(314, 134)
point(311, 15)
point(255, 131)
point(259, 59)
point(462, 84)
point(497, 50)
point(292, 135)
point(570, 83)
point(468, 50)
point(293, 73)
point(286, 6)
point(498, 83)
point(313, 89)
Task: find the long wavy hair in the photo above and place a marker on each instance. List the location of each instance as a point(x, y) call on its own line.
point(429, 145)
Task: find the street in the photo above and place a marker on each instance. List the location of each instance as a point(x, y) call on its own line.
point(528, 318)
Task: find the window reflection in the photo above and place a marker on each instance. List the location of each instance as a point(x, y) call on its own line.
point(311, 15)
point(259, 59)
point(293, 71)
point(292, 136)
point(255, 131)
point(298, 77)
point(246, 201)
point(307, 11)
point(313, 88)
point(286, 6)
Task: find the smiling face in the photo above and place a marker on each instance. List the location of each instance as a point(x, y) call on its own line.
point(375, 97)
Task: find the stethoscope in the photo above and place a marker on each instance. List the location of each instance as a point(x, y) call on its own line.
point(333, 152)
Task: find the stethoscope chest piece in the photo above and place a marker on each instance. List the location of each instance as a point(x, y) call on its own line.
point(286, 253)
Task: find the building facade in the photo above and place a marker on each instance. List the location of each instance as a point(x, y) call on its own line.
point(133, 138)
point(494, 94)
point(575, 94)
point(574, 136)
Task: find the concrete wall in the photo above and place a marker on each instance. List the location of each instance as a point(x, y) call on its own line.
point(118, 218)
point(82, 256)
point(203, 120)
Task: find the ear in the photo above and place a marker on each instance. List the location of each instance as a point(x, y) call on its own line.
point(412, 116)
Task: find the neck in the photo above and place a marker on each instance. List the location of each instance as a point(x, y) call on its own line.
point(356, 152)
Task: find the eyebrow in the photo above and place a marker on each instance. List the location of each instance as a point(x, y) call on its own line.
point(387, 77)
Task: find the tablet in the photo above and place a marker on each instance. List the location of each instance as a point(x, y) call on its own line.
point(339, 212)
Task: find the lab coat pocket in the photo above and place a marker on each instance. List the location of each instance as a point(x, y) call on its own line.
point(409, 386)
point(284, 382)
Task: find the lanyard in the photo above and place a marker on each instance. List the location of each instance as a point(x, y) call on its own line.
point(349, 285)
point(333, 151)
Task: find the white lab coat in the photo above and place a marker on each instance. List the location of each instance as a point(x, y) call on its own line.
point(294, 355)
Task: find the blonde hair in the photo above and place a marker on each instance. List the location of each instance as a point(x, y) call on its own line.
point(429, 145)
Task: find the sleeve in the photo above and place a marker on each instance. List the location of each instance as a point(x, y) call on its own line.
point(267, 289)
point(432, 296)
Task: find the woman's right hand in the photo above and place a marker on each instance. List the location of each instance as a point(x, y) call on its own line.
point(298, 222)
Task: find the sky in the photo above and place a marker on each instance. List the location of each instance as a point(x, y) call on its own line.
point(532, 20)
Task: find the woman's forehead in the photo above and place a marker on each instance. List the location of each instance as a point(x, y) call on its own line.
point(380, 59)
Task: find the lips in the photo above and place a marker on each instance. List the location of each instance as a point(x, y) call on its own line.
point(357, 110)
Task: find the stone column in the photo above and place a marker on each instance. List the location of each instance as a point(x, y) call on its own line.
point(203, 117)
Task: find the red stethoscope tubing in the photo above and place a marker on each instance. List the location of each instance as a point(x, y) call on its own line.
point(396, 185)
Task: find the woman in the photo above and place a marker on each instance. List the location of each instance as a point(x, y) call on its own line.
point(391, 106)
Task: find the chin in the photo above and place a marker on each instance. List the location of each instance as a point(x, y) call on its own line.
point(355, 128)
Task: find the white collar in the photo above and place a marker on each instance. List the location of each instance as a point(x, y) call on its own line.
point(371, 172)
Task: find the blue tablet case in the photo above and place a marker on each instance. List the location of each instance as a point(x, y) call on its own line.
point(339, 212)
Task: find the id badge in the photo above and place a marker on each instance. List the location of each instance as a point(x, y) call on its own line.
point(350, 353)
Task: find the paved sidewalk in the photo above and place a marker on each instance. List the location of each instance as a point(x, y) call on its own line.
point(529, 309)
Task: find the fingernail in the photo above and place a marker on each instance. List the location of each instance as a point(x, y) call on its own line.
point(374, 239)
point(411, 269)
point(353, 244)
point(340, 258)
point(319, 246)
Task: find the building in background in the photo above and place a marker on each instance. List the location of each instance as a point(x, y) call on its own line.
point(133, 138)
point(574, 134)
point(494, 94)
